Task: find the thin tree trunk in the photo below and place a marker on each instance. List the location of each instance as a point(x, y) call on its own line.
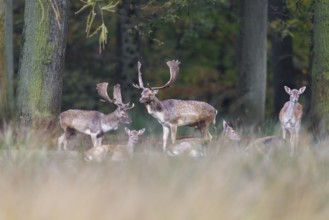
point(42, 61)
point(6, 58)
point(320, 70)
point(282, 57)
point(253, 60)
point(10, 55)
point(127, 47)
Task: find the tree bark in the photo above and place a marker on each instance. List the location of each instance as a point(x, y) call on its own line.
point(282, 57)
point(320, 70)
point(253, 60)
point(6, 58)
point(42, 61)
point(127, 47)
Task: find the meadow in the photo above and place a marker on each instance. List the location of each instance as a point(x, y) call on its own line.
point(38, 182)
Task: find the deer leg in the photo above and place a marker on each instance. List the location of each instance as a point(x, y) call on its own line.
point(62, 140)
point(292, 142)
point(173, 133)
point(99, 141)
point(284, 132)
point(165, 137)
point(94, 139)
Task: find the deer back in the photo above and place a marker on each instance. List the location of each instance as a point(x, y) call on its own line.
point(183, 112)
point(81, 120)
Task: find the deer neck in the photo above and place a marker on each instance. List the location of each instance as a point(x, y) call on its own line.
point(130, 148)
point(110, 122)
point(291, 109)
point(156, 108)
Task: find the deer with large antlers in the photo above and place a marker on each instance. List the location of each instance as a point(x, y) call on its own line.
point(173, 113)
point(94, 123)
point(290, 116)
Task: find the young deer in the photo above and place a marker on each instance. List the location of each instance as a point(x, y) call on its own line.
point(262, 145)
point(94, 123)
point(117, 152)
point(192, 147)
point(290, 116)
point(172, 113)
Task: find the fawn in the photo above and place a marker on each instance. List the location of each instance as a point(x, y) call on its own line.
point(117, 152)
point(192, 147)
point(263, 145)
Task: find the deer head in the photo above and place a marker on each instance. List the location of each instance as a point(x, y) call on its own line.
point(122, 108)
point(229, 132)
point(294, 93)
point(148, 94)
point(134, 135)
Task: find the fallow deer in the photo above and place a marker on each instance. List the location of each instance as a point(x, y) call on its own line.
point(117, 152)
point(263, 145)
point(290, 116)
point(94, 123)
point(173, 113)
point(191, 147)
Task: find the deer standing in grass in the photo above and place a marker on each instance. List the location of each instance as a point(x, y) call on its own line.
point(94, 123)
point(173, 113)
point(290, 116)
point(117, 152)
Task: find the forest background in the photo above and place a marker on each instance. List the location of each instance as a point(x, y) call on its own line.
point(236, 55)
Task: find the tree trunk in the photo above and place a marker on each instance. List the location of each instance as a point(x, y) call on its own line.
point(6, 58)
point(320, 70)
point(42, 61)
point(253, 60)
point(127, 48)
point(282, 57)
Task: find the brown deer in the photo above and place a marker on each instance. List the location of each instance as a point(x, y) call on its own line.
point(290, 116)
point(117, 152)
point(94, 123)
point(173, 113)
point(263, 145)
point(191, 147)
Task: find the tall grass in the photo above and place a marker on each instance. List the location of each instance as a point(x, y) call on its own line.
point(37, 182)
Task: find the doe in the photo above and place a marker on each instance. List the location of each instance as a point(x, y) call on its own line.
point(290, 116)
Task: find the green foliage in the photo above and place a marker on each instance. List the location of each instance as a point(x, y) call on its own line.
point(92, 6)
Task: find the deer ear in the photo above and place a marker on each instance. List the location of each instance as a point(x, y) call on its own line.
point(302, 90)
point(288, 90)
point(141, 131)
point(127, 130)
point(155, 91)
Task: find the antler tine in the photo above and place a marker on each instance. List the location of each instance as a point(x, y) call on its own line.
point(118, 98)
point(174, 69)
point(117, 94)
point(102, 91)
point(140, 80)
point(129, 107)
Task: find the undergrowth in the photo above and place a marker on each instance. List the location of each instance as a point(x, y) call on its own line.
point(38, 182)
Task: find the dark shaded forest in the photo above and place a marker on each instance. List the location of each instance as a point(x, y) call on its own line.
point(235, 55)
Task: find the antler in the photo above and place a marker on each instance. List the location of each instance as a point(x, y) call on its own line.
point(174, 69)
point(118, 98)
point(140, 80)
point(102, 91)
point(117, 94)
